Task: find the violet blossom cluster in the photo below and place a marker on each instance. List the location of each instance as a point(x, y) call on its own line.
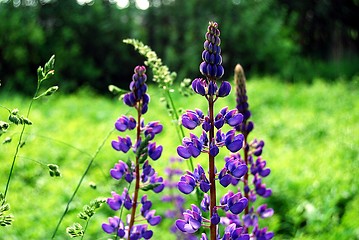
point(254, 185)
point(138, 173)
point(213, 137)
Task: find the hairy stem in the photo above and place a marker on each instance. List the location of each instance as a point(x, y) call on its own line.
point(212, 168)
point(137, 171)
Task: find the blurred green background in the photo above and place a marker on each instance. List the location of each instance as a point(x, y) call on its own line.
point(302, 62)
point(295, 40)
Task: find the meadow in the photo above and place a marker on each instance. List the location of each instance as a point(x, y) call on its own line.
point(310, 131)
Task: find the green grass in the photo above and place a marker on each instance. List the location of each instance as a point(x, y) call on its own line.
point(311, 135)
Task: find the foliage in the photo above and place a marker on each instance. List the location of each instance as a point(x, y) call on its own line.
point(302, 118)
point(266, 36)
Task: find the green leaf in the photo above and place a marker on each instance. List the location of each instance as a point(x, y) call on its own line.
point(116, 90)
point(48, 92)
point(150, 186)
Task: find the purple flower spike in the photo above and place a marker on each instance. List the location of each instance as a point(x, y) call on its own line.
point(115, 202)
point(154, 152)
point(237, 203)
point(123, 144)
point(187, 184)
point(224, 89)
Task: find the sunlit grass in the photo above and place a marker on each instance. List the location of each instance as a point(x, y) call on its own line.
point(311, 135)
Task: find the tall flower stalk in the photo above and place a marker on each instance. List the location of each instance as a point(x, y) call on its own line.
point(252, 157)
point(139, 170)
point(209, 143)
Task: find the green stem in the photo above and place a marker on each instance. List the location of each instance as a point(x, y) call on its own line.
point(87, 223)
point(179, 128)
point(19, 142)
point(80, 182)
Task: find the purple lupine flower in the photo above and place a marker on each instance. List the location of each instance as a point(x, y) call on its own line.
point(123, 123)
point(232, 232)
point(140, 231)
point(211, 67)
point(152, 128)
point(158, 181)
point(236, 166)
point(123, 144)
point(234, 142)
point(192, 220)
point(261, 188)
point(215, 219)
point(224, 89)
point(115, 224)
point(191, 147)
point(191, 119)
point(115, 202)
point(264, 212)
point(154, 152)
point(197, 178)
point(259, 167)
point(127, 201)
point(205, 203)
point(199, 86)
point(237, 203)
point(119, 170)
point(262, 234)
point(139, 99)
point(187, 184)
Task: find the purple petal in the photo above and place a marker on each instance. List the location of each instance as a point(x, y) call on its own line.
point(108, 228)
point(224, 89)
point(235, 120)
point(155, 153)
point(116, 174)
point(180, 224)
point(183, 152)
point(188, 123)
point(240, 171)
point(239, 206)
point(185, 187)
point(204, 186)
point(147, 234)
point(154, 220)
point(225, 180)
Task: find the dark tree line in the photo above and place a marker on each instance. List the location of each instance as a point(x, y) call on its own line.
point(279, 37)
